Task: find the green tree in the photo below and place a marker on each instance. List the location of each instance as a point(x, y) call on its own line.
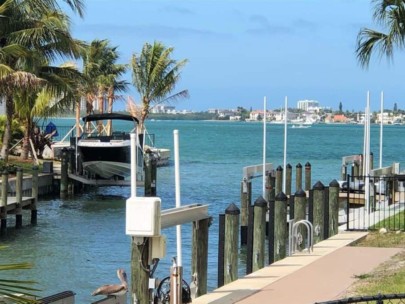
point(390, 14)
point(155, 75)
point(30, 30)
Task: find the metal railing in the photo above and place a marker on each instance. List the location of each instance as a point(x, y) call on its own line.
point(380, 207)
point(377, 299)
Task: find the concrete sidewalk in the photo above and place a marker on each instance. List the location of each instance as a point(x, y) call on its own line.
point(306, 278)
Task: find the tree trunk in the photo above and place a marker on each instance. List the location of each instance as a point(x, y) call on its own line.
point(26, 144)
point(110, 109)
point(77, 114)
point(100, 98)
point(7, 129)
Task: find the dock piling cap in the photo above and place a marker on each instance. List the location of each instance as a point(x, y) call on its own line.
point(281, 197)
point(232, 209)
point(260, 202)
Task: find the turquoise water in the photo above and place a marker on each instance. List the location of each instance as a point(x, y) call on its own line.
point(80, 242)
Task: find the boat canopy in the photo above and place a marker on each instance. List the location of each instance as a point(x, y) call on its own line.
point(108, 116)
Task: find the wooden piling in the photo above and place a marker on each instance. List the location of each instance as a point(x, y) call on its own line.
point(18, 195)
point(279, 180)
point(245, 202)
point(300, 213)
point(307, 176)
point(298, 177)
point(259, 234)
point(333, 208)
point(221, 250)
point(64, 174)
point(318, 212)
point(199, 258)
point(231, 243)
point(270, 192)
point(140, 270)
point(270, 232)
point(288, 178)
point(150, 174)
point(34, 212)
point(280, 227)
point(3, 203)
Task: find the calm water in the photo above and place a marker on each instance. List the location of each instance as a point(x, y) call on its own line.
point(80, 242)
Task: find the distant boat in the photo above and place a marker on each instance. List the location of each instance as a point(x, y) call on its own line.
point(300, 126)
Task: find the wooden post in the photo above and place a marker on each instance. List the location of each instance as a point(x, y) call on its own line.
point(307, 176)
point(270, 232)
point(333, 208)
point(249, 245)
point(245, 197)
point(176, 284)
point(318, 212)
point(280, 227)
point(270, 192)
point(231, 243)
point(140, 270)
point(259, 234)
point(34, 212)
point(18, 196)
point(150, 174)
point(3, 202)
point(199, 258)
point(298, 177)
point(288, 179)
point(221, 250)
point(64, 174)
point(300, 213)
point(279, 180)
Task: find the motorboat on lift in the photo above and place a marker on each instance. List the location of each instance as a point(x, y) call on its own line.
point(104, 148)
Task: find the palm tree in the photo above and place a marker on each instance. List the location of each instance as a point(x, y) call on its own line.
point(155, 75)
point(103, 75)
point(390, 14)
point(36, 29)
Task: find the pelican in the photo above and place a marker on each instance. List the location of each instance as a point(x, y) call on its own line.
point(114, 289)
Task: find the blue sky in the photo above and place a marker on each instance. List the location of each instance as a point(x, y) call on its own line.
point(241, 51)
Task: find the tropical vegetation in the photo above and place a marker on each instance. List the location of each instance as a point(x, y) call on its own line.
point(390, 15)
point(155, 75)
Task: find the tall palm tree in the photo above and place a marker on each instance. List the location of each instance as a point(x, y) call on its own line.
point(36, 28)
point(390, 14)
point(103, 72)
point(155, 75)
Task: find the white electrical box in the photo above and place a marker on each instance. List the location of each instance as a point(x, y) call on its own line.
point(143, 216)
point(158, 247)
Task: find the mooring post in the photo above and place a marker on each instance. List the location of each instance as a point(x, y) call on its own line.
point(231, 243)
point(300, 213)
point(3, 206)
point(279, 180)
point(18, 196)
point(64, 174)
point(199, 257)
point(333, 208)
point(318, 212)
point(298, 177)
point(34, 212)
point(140, 270)
point(270, 231)
point(288, 177)
point(307, 176)
point(221, 250)
point(150, 174)
point(259, 234)
point(245, 197)
point(280, 227)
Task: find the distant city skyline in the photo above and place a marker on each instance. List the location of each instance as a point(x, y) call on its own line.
point(241, 51)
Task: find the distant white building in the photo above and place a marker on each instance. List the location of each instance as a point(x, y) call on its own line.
point(159, 109)
point(306, 105)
